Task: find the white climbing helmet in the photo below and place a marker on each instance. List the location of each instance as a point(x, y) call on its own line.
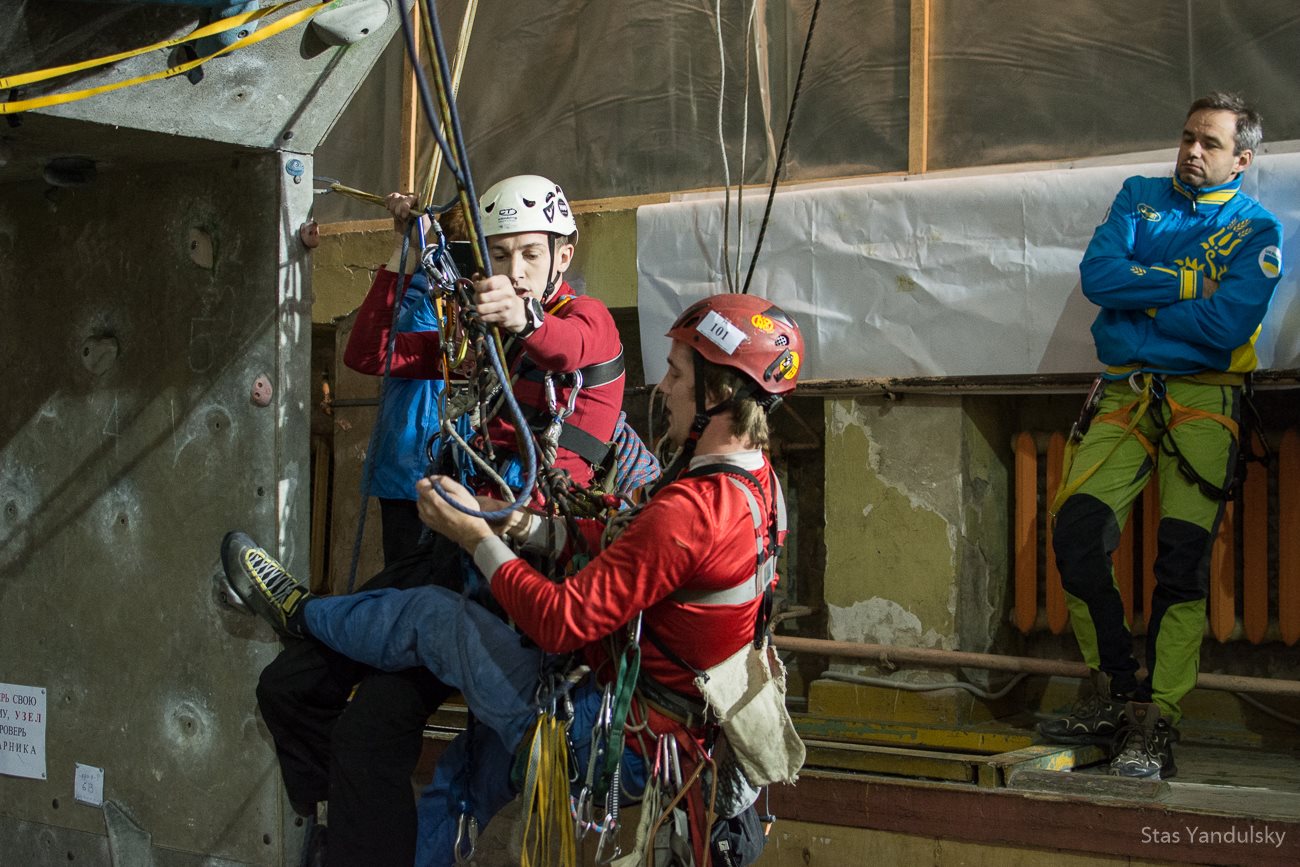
point(526, 203)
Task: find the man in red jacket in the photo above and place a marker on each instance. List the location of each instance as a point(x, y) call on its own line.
point(692, 567)
point(358, 749)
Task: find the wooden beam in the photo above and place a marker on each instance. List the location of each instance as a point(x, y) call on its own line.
point(1002, 817)
point(410, 112)
point(918, 111)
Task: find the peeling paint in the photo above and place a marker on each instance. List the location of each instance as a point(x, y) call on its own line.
point(883, 621)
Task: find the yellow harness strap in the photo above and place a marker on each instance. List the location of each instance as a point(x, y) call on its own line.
point(1128, 416)
point(1179, 414)
point(274, 29)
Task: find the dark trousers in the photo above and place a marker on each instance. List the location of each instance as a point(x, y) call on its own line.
point(359, 755)
point(401, 527)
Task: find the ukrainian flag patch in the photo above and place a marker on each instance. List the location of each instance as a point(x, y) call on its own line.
point(1270, 261)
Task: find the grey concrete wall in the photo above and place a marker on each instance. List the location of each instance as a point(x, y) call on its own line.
point(128, 446)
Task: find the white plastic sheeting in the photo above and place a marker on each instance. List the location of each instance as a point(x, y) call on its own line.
point(957, 276)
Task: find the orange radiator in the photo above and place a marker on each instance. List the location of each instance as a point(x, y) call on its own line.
point(1255, 565)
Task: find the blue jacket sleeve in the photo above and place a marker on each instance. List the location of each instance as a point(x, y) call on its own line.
point(1115, 278)
point(1229, 317)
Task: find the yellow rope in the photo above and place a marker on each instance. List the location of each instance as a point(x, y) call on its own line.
point(462, 49)
point(212, 29)
point(288, 21)
point(548, 830)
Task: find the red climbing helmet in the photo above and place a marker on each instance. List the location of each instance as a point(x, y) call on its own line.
point(745, 332)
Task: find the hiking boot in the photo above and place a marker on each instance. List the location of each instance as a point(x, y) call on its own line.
point(1093, 719)
point(263, 584)
point(1144, 745)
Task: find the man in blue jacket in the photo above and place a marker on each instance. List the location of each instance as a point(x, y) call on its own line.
point(1183, 270)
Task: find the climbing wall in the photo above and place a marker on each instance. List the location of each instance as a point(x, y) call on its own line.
point(139, 313)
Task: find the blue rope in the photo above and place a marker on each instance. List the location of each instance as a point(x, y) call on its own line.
point(458, 165)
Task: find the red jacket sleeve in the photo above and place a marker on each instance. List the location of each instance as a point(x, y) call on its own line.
point(415, 354)
point(660, 551)
point(584, 335)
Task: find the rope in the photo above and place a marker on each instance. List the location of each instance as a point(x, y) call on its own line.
point(16, 106)
point(453, 147)
point(785, 142)
point(462, 49)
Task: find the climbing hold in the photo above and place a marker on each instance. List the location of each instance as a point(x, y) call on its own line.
point(345, 23)
point(261, 395)
point(99, 354)
point(201, 248)
point(309, 234)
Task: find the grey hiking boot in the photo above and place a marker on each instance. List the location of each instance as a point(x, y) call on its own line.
point(1093, 719)
point(263, 584)
point(1144, 745)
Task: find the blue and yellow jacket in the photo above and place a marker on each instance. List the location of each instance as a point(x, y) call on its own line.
point(1146, 268)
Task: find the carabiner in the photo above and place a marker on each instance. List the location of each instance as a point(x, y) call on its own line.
point(608, 834)
point(466, 834)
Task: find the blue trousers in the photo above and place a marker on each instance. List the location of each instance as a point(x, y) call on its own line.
point(470, 649)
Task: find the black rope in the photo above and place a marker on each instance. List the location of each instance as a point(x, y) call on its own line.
point(458, 163)
point(785, 142)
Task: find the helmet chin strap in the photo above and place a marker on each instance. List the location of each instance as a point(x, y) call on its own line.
point(554, 279)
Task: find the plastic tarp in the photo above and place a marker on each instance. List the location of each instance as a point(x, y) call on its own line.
point(621, 99)
point(958, 276)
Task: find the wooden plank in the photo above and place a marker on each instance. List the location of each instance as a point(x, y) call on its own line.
point(918, 103)
point(1223, 578)
point(1004, 817)
point(1058, 616)
point(1150, 529)
point(320, 498)
point(411, 118)
point(1000, 770)
point(1254, 552)
point(895, 761)
point(1026, 534)
point(1288, 536)
point(989, 739)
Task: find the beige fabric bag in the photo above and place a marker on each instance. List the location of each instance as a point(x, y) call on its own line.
point(746, 691)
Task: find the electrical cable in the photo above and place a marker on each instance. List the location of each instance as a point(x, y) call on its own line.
point(722, 145)
point(785, 142)
point(1263, 708)
point(886, 683)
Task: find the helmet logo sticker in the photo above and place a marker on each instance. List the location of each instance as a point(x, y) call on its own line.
point(549, 208)
point(789, 366)
point(721, 332)
point(507, 212)
point(564, 208)
point(762, 323)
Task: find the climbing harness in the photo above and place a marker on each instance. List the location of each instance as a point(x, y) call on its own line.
point(1151, 391)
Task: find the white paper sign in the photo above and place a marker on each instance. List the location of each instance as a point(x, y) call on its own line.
point(22, 731)
point(88, 785)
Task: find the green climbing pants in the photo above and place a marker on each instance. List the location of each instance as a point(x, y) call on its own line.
point(1187, 437)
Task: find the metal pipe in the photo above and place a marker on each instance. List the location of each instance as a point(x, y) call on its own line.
point(890, 656)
